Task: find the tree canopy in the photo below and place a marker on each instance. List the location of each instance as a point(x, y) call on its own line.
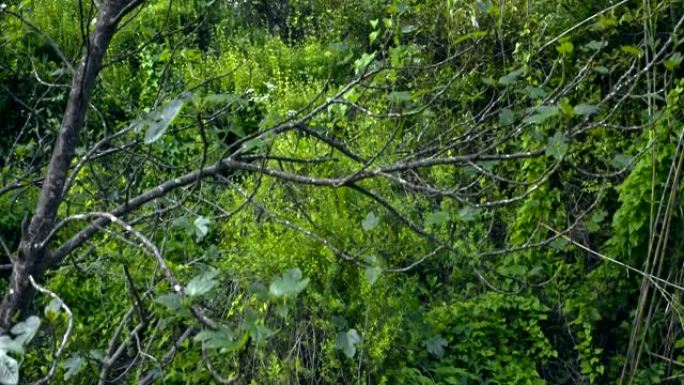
point(342, 191)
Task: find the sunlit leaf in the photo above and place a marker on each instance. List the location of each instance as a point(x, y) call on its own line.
point(542, 114)
point(9, 369)
point(436, 345)
point(158, 121)
point(585, 109)
point(511, 78)
point(370, 222)
point(437, 218)
point(72, 366)
point(557, 146)
point(347, 341)
point(201, 226)
point(171, 301)
point(674, 61)
point(468, 213)
point(289, 284)
point(506, 117)
point(25, 330)
point(202, 283)
point(372, 274)
point(221, 338)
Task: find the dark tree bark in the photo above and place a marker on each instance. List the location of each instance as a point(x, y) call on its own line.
point(33, 257)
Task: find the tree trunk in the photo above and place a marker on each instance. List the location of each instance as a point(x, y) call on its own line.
point(32, 255)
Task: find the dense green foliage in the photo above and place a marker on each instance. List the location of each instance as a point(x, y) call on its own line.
point(516, 276)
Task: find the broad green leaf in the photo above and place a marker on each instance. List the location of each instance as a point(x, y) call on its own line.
point(8, 344)
point(631, 50)
point(408, 28)
point(559, 244)
point(506, 117)
point(541, 114)
point(511, 78)
point(259, 331)
point(585, 109)
point(673, 62)
point(254, 144)
point(171, 301)
point(398, 97)
point(72, 366)
point(557, 146)
point(565, 48)
point(437, 218)
point(347, 341)
point(25, 330)
point(370, 222)
point(535, 92)
point(436, 345)
point(223, 99)
point(373, 36)
point(595, 45)
point(602, 70)
point(372, 274)
point(621, 161)
point(221, 338)
point(201, 284)
point(201, 226)
point(289, 284)
point(157, 122)
point(363, 62)
point(468, 213)
point(9, 369)
point(53, 306)
point(374, 23)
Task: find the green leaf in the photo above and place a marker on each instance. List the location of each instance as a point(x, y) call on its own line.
point(596, 45)
point(436, 345)
point(585, 109)
point(408, 28)
point(7, 344)
point(372, 274)
point(602, 70)
point(437, 218)
point(223, 99)
point(535, 92)
point(674, 61)
point(289, 284)
point(259, 331)
point(374, 23)
point(72, 366)
point(158, 121)
point(565, 48)
point(221, 338)
point(347, 341)
point(631, 50)
point(171, 301)
point(373, 36)
point(468, 213)
point(541, 114)
point(511, 78)
point(201, 284)
point(53, 306)
point(370, 222)
point(25, 330)
point(201, 227)
point(621, 161)
point(398, 97)
point(363, 62)
point(9, 369)
point(557, 146)
point(559, 244)
point(506, 117)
